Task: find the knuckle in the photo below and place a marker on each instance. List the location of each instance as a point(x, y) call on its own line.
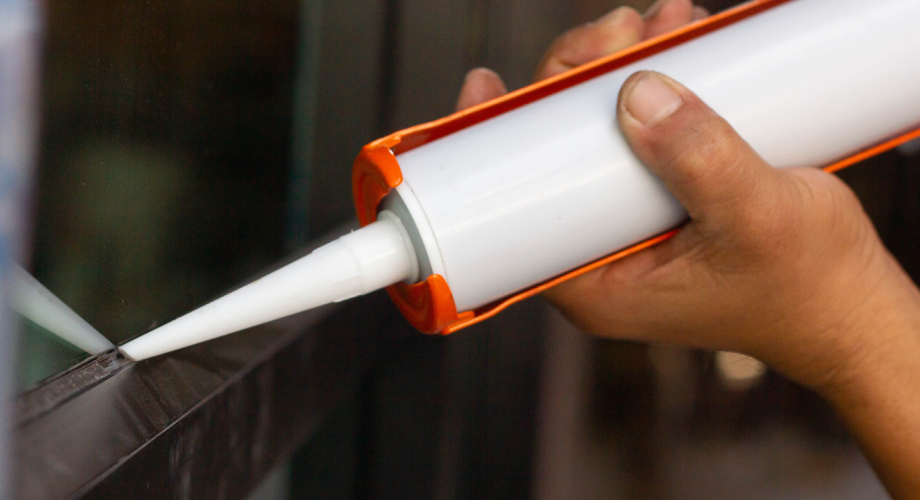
point(829, 199)
point(620, 15)
point(624, 30)
point(620, 28)
point(814, 214)
point(719, 147)
point(709, 153)
point(564, 50)
point(767, 226)
point(628, 16)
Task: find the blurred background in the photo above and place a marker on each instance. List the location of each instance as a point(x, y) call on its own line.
point(187, 145)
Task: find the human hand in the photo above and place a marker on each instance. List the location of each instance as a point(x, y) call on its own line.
point(780, 264)
point(769, 260)
point(783, 265)
point(616, 31)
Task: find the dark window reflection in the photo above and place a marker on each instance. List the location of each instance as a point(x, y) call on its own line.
point(165, 153)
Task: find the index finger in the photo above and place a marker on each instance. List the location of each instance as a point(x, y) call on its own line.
point(615, 31)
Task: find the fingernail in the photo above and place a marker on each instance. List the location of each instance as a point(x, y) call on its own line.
point(700, 13)
point(651, 11)
point(612, 17)
point(472, 74)
point(652, 100)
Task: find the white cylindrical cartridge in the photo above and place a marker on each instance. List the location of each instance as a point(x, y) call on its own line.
point(492, 204)
point(547, 187)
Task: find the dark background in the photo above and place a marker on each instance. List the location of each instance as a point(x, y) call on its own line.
point(188, 145)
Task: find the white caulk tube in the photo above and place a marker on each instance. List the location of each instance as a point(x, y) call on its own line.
point(547, 187)
point(497, 207)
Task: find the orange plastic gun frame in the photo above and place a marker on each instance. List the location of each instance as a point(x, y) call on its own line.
point(429, 305)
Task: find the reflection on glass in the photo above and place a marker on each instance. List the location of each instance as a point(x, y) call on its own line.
point(53, 336)
point(165, 160)
point(37, 304)
point(43, 354)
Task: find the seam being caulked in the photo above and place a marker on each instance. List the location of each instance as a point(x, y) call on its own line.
point(65, 386)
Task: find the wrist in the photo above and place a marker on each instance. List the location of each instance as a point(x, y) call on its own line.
point(881, 358)
point(885, 359)
point(848, 331)
point(879, 342)
point(877, 393)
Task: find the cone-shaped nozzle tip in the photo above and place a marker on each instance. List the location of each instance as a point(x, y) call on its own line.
point(368, 259)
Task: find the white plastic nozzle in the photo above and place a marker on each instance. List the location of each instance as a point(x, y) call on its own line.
point(371, 258)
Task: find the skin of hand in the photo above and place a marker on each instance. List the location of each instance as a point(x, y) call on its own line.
point(783, 265)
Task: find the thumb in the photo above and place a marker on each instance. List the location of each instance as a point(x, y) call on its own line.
point(703, 162)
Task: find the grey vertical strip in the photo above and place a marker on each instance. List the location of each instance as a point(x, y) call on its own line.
point(17, 87)
point(8, 349)
point(306, 96)
point(18, 84)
